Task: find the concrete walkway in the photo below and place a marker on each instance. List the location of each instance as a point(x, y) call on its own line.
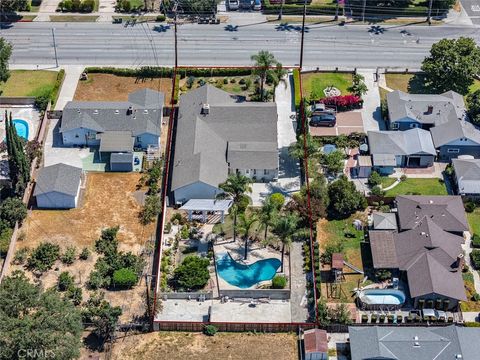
point(467, 248)
point(69, 86)
point(371, 114)
point(298, 297)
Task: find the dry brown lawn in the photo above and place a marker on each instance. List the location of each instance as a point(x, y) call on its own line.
point(108, 201)
point(107, 87)
point(232, 346)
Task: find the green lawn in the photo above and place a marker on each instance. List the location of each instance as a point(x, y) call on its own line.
point(419, 186)
point(475, 86)
point(73, 18)
point(137, 4)
point(28, 83)
point(316, 82)
point(387, 181)
point(474, 221)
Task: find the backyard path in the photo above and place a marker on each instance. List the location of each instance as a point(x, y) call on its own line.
point(298, 298)
point(72, 76)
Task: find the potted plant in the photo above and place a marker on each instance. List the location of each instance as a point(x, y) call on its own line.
point(390, 319)
point(373, 319)
point(364, 318)
point(382, 319)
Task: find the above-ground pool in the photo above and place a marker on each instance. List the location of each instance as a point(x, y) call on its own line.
point(245, 276)
point(22, 128)
point(390, 297)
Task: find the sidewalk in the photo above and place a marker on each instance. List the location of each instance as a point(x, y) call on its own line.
point(67, 92)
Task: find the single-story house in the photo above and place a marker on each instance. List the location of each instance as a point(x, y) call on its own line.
point(467, 176)
point(220, 134)
point(116, 127)
point(456, 138)
point(428, 258)
point(58, 186)
point(447, 212)
point(315, 343)
point(414, 343)
point(384, 221)
point(407, 111)
point(391, 149)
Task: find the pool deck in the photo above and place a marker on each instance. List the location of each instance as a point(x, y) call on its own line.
point(23, 112)
point(256, 252)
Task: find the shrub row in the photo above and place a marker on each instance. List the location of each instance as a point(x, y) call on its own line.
point(206, 72)
point(296, 86)
point(475, 257)
point(42, 100)
point(344, 102)
point(146, 71)
point(297, 9)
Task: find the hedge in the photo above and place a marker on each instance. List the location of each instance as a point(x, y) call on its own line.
point(207, 72)
point(475, 257)
point(176, 90)
point(296, 85)
point(476, 241)
point(147, 71)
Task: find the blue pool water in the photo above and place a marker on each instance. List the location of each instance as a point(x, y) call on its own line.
point(22, 128)
point(245, 276)
point(382, 297)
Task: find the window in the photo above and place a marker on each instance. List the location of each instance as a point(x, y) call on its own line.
point(139, 139)
point(454, 151)
point(254, 171)
point(265, 172)
point(394, 126)
point(413, 125)
point(76, 136)
point(247, 171)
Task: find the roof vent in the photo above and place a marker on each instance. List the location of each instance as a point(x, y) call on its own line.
point(117, 111)
point(205, 109)
point(145, 111)
point(95, 111)
point(430, 201)
point(458, 356)
point(429, 109)
point(130, 110)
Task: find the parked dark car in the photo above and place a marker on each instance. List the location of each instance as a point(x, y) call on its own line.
point(323, 118)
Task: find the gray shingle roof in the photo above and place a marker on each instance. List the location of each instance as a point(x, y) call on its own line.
point(409, 343)
point(103, 116)
point(384, 221)
point(446, 211)
point(445, 107)
point(382, 245)
point(409, 142)
point(121, 158)
point(116, 141)
point(454, 130)
point(61, 178)
point(202, 141)
point(467, 174)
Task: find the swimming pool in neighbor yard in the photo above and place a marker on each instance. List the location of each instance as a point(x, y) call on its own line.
point(245, 276)
point(22, 128)
point(391, 297)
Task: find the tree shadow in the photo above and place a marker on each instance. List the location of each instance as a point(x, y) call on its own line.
point(416, 84)
point(161, 28)
point(231, 28)
point(377, 30)
point(285, 26)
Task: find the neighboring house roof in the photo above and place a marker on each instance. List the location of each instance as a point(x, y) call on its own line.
point(467, 174)
point(101, 116)
point(363, 160)
point(315, 341)
point(429, 256)
point(409, 142)
point(454, 130)
point(408, 343)
point(121, 158)
point(337, 261)
point(384, 221)
point(447, 212)
point(61, 178)
point(116, 141)
point(242, 133)
point(443, 108)
point(207, 205)
point(382, 245)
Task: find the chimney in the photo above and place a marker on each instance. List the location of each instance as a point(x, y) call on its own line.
point(429, 109)
point(130, 110)
point(460, 261)
point(205, 109)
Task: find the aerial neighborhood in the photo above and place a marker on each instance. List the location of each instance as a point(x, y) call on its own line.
point(239, 180)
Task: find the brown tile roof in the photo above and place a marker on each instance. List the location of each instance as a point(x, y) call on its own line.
point(315, 340)
point(382, 245)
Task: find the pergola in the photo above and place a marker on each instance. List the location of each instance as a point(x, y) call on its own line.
point(204, 206)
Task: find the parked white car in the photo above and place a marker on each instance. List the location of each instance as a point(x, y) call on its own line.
point(233, 4)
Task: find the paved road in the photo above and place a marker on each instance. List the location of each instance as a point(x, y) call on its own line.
point(325, 45)
point(472, 7)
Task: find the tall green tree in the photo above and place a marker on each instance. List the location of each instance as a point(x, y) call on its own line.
point(452, 64)
point(473, 106)
point(267, 214)
point(264, 62)
point(17, 159)
point(235, 188)
point(37, 320)
point(345, 199)
point(285, 227)
point(333, 162)
point(5, 53)
point(245, 227)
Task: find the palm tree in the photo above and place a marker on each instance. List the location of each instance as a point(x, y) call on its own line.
point(264, 60)
point(245, 226)
point(284, 228)
point(296, 150)
point(267, 215)
point(234, 188)
point(277, 76)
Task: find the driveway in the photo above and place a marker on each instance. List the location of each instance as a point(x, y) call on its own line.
point(472, 8)
point(347, 123)
point(371, 113)
point(289, 170)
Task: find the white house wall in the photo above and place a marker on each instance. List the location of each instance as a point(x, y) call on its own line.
point(56, 200)
point(197, 190)
point(77, 137)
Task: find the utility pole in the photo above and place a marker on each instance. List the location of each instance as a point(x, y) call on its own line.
point(430, 4)
point(175, 25)
point(303, 33)
point(363, 10)
point(55, 47)
point(336, 10)
point(281, 10)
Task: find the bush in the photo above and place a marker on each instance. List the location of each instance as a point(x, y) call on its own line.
point(85, 254)
point(20, 256)
point(75, 294)
point(279, 282)
point(124, 278)
point(210, 330)
point(475, 257)
point(160, 18)
point(107, 243)
point(296, 87)
point(383, 275)
point(192, 274)
point(377, 191)
point(178, 219)
point(43, 257)
point(69, 256)
point(470, 206)
point(374, 179)
point(97, 280)
point(87, 6)
point(403, 177)
point(185, 232)
point(65, 280)
point(13, 210)
point(344, 102)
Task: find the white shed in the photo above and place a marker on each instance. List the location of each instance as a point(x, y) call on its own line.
point(58, 187)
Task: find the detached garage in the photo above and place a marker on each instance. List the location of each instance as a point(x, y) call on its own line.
point(58, 187)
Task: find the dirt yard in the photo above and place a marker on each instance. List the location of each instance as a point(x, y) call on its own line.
point(107, 87)
point(232, 346)
point(108, 201)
